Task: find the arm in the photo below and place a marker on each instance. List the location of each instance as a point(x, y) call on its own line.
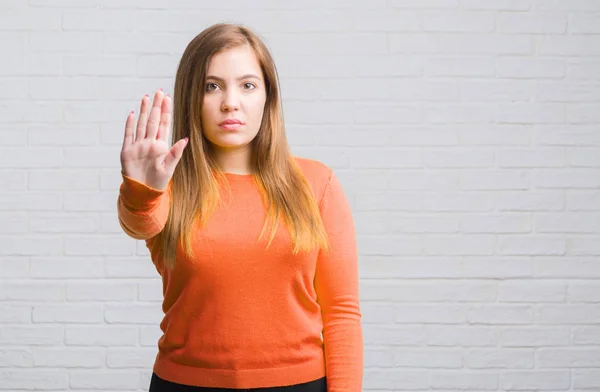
point(337, 287)
point(142, 210)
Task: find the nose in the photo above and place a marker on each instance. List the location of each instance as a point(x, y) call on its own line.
point(230, 101)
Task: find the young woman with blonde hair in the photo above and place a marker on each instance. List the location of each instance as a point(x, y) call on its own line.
point(256, 247)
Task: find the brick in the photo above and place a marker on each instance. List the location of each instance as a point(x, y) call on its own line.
point(530, 68)
point(16, 358)
point(30, 245)
point(466, 336)
point(567, 267)
point(583, 68)
point(500, 314)
point(583, 200)
point(549, 91)
point(574, 313)
point(460, 66)
point(67, 135)
point(116, 245)
point(528, 336)
point(586, 335)
point(531, 23)
point(573, 222)
point(63, 223)
point(32, 291)
point(130, 267)
point(68, 313)
point(535, 379)
point(584, 157)
point(532, 291)
point(34, 379)
point(501, 90)
point(150, 291)
point(531, 245)
point(461, 379)
point(68, 358)
point(430, 314)
point(569, 45)
point(30, 19)
point(149, 335)
point(428, 292)
point(586, 378)
point(493, 358)
point(66, 267)
point(426, 4)
point(583, 291)
point(110, 380)
point(503, 5)
point(101, 336)
point(31, 158)
point(65, 42)
point(391, 378)
point(529, 201)
point(133, 313)
point(567, 178)
point(127, 358)
point(101, 291)
point(15, 223)
point(424, 224)
point(31, 335)
point(561, 357)
point(559, 5)
point(17, 314)
point(441, 357)
point(459, 21)
point(97, 19)
point(458, 43)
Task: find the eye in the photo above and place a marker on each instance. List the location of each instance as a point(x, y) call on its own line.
point(210, 85)
point(252, 86)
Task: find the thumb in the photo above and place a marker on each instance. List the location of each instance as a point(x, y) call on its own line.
point(175, 154)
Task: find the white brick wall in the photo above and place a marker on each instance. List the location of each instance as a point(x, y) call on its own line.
point(466, 134)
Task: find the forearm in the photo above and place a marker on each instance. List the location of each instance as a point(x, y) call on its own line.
point(344, 353)
point(142, 211)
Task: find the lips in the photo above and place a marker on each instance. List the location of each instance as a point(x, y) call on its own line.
point(230, 122)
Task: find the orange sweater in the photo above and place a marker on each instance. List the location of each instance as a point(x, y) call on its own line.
point(242, 316)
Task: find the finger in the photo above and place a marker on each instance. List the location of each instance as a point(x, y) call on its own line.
point(165, 118)
point(128, 138)
point(140, 133)
point(175, 154)
point(154, 117)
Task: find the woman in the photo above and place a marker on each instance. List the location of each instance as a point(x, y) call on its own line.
point(243, 310)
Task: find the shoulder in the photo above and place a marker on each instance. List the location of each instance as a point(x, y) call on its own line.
point(317, 174)
point(313, 169)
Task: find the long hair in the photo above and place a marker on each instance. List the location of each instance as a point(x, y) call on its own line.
point(194, 187)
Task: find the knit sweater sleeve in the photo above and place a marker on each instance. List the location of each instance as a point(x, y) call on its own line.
point(141, 209)
point(337, 287)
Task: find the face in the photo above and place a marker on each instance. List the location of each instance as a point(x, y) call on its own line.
point(235, 92)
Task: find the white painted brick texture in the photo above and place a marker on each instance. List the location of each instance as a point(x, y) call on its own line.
point(466, 134)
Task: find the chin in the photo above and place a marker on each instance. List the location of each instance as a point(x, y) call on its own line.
point(231, 142)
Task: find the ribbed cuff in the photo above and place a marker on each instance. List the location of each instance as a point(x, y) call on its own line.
point(137, 195)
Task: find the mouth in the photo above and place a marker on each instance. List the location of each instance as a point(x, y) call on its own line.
point(230, 125)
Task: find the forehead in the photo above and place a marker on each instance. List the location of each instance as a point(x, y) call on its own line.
point(234, 62)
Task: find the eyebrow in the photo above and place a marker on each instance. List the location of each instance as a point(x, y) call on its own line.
point(247, 76)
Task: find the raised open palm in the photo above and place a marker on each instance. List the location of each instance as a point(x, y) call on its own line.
point(146, 156)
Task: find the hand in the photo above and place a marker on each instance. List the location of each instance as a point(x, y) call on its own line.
point(149, 159)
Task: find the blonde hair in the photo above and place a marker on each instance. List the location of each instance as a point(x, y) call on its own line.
point(285, 191)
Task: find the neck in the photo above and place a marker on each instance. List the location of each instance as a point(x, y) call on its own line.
point(236, 161)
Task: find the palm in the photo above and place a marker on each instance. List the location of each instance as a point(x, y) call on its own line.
point(148, 158)
point(145, 160)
